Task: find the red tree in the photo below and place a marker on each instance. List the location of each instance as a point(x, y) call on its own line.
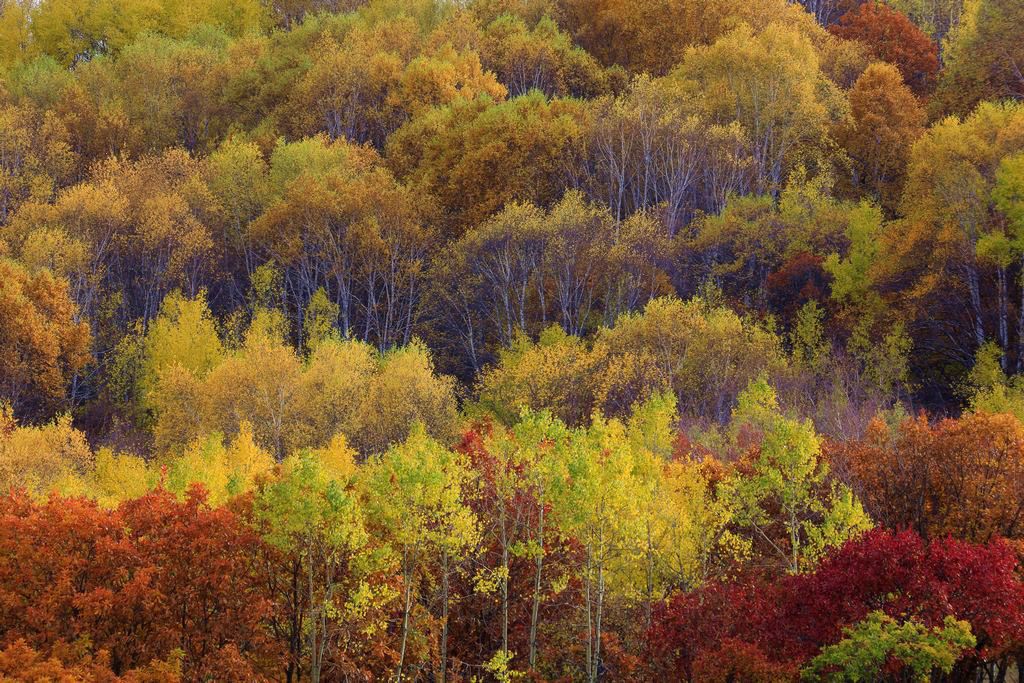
point(760, 625)
point(20, 662)
point(799, 280)
point(154, 576)
point(894, 38)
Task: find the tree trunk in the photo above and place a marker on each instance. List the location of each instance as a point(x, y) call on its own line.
point(1004, 334)
point(1020, 323)
point(590, 625)
point(596, 668)
point(535, 612)
point(648, 616)
point(974, 289)
point(444, 617)
point(794, 542)
point(504, 582)
point(314, 664)
point(407, 577)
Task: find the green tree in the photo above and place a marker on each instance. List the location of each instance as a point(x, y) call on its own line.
point(520, 469)
point(982, 58)
point(872, 646)
point(414, 498)
point(950, 238)
point(312, 511)
point(596, 501)
point(788, 485)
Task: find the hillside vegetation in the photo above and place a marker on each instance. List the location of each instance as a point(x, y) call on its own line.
point(570, 340)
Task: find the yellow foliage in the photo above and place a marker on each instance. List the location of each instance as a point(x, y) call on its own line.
point(119, 478)
point(37, 458)
point(337, 459)
point(223, 471)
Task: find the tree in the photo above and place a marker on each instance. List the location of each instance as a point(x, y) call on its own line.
point(958, 477)
point(686, 537)
point(183, 337)
point(693, 349)
point(236, 174)
point(653, 148)
point(637, 36)
point(205, 585)
point(381, 74)
point(1001, 246)
point(880, 645)
point(579, 237)
point(335, 384)
point(339, 221)
point(525, 267)
point(883, 586)
point(549, 374)
point(906, 577)
point(261, 385)
point(596, 500)
point(540, 57)
point(154, 576)
point(39, 235)
point(787, 485)
point(18, 659)
point(742, 77)
point(403, 392)
point(982, 58)
point(37, 157)
point(542, 440)
point(753, 237)
point(501, 260)
point(78, 31)
point(169, 90)
point(885, 121)
point(827, 12)
point(893, 38)
point(142, 226)
point(312, 512)
point(703, 354)
point(290, 403)
point(38, 459)
point(224, 470)
point(518, 468)
point(948, 208)
point(474, 157)
point(115, 479)
point(414, 499)
point(934, 17)
point(43, 343)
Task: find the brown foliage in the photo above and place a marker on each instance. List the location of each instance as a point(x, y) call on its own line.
point(962, 477)
point(885, 120)
point(892, 37)
point(42, 344)
point(19, 662)
point(153, 577)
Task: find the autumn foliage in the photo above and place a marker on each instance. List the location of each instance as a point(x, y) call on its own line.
point(765, 625)
point(892, 37)
point(155, 580)
point(494, 340)
point(962, 478)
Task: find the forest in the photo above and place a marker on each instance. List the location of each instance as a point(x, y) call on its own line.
point(512, 340)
